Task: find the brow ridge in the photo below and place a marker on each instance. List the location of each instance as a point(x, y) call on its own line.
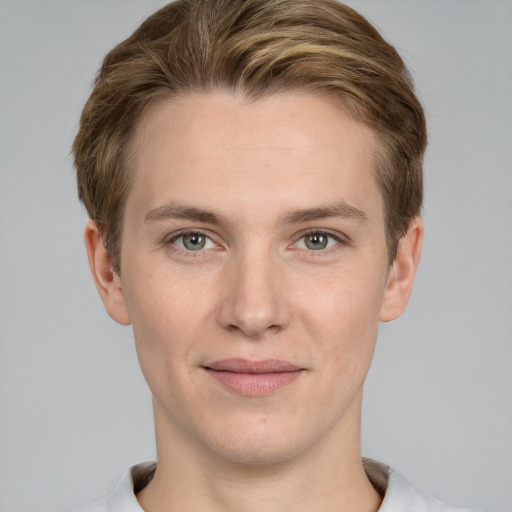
point(341, 210)
point(176, 211)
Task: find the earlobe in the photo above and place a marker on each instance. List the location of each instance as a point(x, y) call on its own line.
point(108, 282)
point(401, 274)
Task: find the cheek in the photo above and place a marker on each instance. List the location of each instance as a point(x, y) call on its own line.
point(340, 313)
point(164, 300)
point(167, 317)
point(341, 299)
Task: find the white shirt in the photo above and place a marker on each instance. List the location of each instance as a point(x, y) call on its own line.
point(399, 495)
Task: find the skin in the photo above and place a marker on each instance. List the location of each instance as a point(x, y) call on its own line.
point(270, 171)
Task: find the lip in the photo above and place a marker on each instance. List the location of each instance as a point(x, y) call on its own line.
point(253, 378)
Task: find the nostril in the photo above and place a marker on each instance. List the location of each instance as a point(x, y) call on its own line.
point(254, 332)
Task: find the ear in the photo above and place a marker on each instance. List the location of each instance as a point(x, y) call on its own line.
point(106, 279)
point(402, 271)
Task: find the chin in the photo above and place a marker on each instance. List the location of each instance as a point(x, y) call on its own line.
point(257, 445)
point(257, 454)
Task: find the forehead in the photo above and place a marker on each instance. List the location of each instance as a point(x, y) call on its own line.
point(284, 149)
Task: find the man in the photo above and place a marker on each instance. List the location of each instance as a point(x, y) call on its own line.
point(253, 175)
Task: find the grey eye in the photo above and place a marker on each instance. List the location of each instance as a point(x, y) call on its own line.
point(192, 241)
point(316, 241)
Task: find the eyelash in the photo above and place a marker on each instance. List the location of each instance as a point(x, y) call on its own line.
point(171, 241)
point(321, 252)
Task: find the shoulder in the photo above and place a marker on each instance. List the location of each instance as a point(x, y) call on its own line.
point(399, 495)
point(98, 506)
point(123, 497)
point(402, 496)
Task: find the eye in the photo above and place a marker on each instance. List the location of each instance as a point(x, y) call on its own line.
point(317, 241)
point(193, 241)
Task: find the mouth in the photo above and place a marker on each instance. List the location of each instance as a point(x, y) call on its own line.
point(253, 378)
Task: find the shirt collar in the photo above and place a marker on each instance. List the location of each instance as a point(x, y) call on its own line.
point(397, 492)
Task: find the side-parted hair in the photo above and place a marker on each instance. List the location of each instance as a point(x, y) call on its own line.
point(255, 48)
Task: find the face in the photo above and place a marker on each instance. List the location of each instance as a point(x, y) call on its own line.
point(254, 271)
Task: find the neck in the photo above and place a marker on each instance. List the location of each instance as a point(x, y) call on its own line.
point(328, 476)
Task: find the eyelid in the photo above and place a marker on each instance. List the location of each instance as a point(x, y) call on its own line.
point(339, 237)
point(172, 237)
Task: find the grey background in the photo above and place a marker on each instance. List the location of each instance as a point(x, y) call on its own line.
point(75, 412)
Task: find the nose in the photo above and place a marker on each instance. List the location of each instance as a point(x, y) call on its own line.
point(254, 299)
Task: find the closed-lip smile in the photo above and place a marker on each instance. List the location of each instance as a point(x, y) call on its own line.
point(253, 378)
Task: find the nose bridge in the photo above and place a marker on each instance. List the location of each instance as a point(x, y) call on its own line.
point(255, 298)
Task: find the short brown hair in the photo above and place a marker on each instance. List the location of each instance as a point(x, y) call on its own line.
point(257, 48)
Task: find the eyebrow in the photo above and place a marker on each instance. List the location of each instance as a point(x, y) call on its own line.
point(340, 210)
point(176, 211)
